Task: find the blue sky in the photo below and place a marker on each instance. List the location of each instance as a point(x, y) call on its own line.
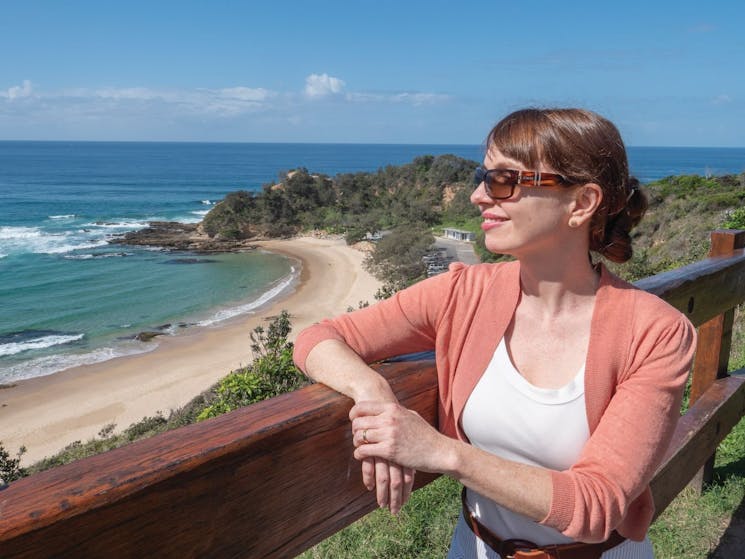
point(667, 73)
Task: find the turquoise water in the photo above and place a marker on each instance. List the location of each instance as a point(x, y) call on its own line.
point(68, 297)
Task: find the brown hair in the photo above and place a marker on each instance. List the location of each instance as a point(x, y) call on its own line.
point(584, 147)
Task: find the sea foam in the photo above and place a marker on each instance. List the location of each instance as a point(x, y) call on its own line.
point(11, 348)
point(37, 241)
point(50, 364)
point(14, 233)
point(265, 297)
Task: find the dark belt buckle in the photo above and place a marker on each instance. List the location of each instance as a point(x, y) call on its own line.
point(509, 548)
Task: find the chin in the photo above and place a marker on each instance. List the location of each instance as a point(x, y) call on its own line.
point(499, 248)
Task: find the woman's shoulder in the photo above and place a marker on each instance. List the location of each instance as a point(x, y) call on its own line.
point(645, 307)
point(475, 283)
point(484, 272)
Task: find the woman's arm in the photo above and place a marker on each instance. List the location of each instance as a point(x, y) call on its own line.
point(336, 352)
point(400, 435)
point(589, 500)
point(333, 363)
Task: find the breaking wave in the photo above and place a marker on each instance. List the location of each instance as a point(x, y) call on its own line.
point(265, 297)
point(17, 342)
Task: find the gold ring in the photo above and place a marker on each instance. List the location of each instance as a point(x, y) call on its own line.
point(364, 436)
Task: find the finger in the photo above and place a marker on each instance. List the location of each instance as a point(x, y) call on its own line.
point(362, 437)
point(409, 475)
point(368, 473)
point(364, 422)
point(382, 480)
point(367, 407)
point(396, 486)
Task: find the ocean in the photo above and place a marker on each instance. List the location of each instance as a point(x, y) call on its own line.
point(68, 297)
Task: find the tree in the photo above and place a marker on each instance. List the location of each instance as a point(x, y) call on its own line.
point(397, 259)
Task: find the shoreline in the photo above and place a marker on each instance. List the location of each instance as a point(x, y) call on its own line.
point(47, 413)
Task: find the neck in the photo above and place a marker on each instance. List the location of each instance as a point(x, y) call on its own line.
point(558, 284)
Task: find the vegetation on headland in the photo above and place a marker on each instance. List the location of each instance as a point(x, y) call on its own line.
point(411, 201)
point(350, 203)
point(405, 201)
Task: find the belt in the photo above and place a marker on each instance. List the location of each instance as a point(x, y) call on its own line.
point(524, 549)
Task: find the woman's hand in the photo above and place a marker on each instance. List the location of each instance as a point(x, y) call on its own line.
point(393, 483)
point(336, 365)
point(391, 432)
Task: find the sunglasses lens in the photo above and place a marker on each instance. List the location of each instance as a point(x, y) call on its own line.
point(478, 176)
point(499, 183)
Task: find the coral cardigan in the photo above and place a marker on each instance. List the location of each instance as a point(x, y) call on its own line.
point(638, 358)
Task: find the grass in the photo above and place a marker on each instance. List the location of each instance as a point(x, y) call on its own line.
point(423, 528)
point(692, 526)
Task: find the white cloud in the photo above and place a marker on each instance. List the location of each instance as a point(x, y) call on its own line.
point(320, 85)
point(406, 97)
point(136, 93)
point(229, 101)
point(419, 98)
point(722, 99)
point(18, 91)
point(245, 93)
point(140, 111)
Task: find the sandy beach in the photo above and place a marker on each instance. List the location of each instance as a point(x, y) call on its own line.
point(45, 414)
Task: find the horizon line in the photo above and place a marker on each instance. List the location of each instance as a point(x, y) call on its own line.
point(234, 142)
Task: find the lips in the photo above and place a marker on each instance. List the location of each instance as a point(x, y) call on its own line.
point(491, 221)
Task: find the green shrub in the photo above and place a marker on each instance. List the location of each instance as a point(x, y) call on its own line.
point(10, 468)
point(271, 373)
point(735, 219)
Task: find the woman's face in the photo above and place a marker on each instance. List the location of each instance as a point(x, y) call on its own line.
point(532, 220)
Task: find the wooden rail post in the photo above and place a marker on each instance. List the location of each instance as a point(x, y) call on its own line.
point(714, 344)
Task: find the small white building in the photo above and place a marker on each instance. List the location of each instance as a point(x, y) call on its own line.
point(459, 235)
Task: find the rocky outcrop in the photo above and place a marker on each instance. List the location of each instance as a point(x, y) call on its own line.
point(172, 235)
point(147, 336)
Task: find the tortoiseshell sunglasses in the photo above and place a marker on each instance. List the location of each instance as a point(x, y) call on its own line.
point(500, 183)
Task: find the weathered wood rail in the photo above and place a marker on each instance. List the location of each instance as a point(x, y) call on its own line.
point(275, 478)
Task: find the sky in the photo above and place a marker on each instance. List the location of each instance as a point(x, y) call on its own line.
point(668, 73)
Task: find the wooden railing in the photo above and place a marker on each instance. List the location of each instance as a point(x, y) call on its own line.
point(273, 479)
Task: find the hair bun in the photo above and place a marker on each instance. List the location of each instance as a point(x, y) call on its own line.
point(616, 243)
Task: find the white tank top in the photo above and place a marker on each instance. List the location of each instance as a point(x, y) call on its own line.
point(507, 416)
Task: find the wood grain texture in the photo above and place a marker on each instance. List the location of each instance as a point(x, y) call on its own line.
point(714, 344)
point(712, 353)
point(704, 289)
point(697, 435)
point(269, 480)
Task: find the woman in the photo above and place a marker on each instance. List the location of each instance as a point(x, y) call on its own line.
point(559, 384)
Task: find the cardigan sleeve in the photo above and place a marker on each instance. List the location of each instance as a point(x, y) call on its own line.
point(404, 323)
point(595, 496)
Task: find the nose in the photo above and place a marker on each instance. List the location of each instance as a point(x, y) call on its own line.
point(479, 196)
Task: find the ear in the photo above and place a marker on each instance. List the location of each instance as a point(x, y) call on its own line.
point(585, 202)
